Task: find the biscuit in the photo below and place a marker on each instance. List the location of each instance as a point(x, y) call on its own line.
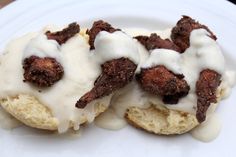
point(161, 120)
point(31, 112)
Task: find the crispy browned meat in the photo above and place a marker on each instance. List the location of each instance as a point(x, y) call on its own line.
point(206, 87)
point(43, 72)
point(155, 41)
point(62, 36)
point(181, 32)
point(97, 27)
point(115, 74)
point(160, 81)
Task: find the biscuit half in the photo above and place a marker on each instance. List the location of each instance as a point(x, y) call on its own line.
point(31, 112)
point(161, 120)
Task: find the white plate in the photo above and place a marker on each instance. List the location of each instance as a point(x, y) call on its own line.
point(24, 16)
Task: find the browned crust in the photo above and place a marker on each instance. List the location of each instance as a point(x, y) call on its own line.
point(154, 41)
point(62, 36)
point(115, 74)
point(206, 87)
point(160, 81)
point(181, 32)
point(43, 72)
point(97, 27)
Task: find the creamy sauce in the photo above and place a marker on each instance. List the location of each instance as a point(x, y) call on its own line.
point(80, 73)
point(129, 96)
point(171, 59)
point(228, 84)
point(110, 120)
point(42, 47)
point(115, 45)
point(208, 130)
point(82, 67)
point(190, 63)
point(193, 61)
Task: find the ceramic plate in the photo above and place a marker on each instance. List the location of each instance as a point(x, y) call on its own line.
point(24, 16)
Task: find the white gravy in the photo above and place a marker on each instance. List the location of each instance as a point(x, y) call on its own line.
point(82, 67)
point(208, 130)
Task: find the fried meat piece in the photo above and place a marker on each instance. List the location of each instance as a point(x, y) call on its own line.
point(206, 87)
point(62, 36)
point(160, 81)
point(115, 74)
point(155, 41)
point(97, 27)
point(43, 72)
point(181, 32)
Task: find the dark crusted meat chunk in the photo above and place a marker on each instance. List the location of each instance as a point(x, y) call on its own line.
point(97, 27)
point(155, 41)
point(160, 81)
point(206, 87)
point(181, 32)
point(115, 74)
point(43, 72)
point(62, 36)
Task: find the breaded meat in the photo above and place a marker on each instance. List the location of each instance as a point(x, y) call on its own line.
point(181, 32)
point(160, 81)
point(155, 41)
point(43, 72)
point(97, 27)
point(115, 74)
point(62, 36)
point(206, 87)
